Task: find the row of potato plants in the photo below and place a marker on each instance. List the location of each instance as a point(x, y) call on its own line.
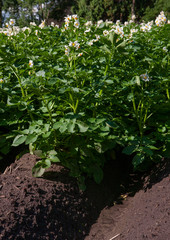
point(75, 92)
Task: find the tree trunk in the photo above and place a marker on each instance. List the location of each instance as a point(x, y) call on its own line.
point(0, 13)
point(133, 8)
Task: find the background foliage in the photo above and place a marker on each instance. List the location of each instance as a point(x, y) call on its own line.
point(24, 11)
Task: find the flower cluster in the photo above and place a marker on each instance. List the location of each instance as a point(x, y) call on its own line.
point(71, 19)
point(90, 43)
point(99, 23)
point(42, 25)
point(75, 45)
point(119, 31)
point(133, 30)
point(146, 27)
point(10, 31)
point(88, 23)
point(126, 23)
point(32, 24)
point(161, 19)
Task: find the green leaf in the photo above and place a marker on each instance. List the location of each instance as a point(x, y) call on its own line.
point(47, 162)
point(100, 120)
point(57, 125)
point(40, 73)
point(147, 151)
point(130, 96)
point(63, 127)
point(129, 149)
point(31, 138)
point(71, 126)
point(105, 49)
point(46, 135)
point(137, 160)
point(105, 128)
point(54, 159)
point(112, 37)
point(52, 152)
point(91, 120)
point(111, 124)
point(152, 147)
point(38, 153)
point(138, 80)
point(38, 170)
point(109, 81)
point(19, 139)
point(83, 127)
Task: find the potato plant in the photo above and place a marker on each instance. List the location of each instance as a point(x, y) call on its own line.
point(75, 92)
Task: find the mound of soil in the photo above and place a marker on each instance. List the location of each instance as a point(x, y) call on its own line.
point(124, 206)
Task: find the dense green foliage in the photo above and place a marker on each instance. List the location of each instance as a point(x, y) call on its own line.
point(153, 10)
point(98, 9)
point(73, 93)
point(114, 9)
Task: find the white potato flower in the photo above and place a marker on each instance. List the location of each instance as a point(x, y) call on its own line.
point(76, 24)
point(12, 22)
point(32, 23)
point(119, 31)
point(90, 43)
point(75, 17)
point(67, 50)
point(74, 44)
point(31, 64)
point(105, 32)
point(87, 30)
point(145, 77)
point(165, 49)
point(88, 23)
point(42, 25)
point(80, 54)
point(117, 22)
point(7, 25)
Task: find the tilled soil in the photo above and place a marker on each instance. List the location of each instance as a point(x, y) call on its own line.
point(125, 206)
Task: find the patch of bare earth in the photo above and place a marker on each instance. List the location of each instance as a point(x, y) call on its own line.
point(53, 207)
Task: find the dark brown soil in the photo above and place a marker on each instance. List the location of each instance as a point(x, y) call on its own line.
point(124, 206)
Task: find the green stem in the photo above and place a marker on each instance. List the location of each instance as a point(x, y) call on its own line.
point(136, 110)
point(167, 92)
point(22, 91)
point(107, 66)
point(106, 69)
point(19, 80)
point(50, 118)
